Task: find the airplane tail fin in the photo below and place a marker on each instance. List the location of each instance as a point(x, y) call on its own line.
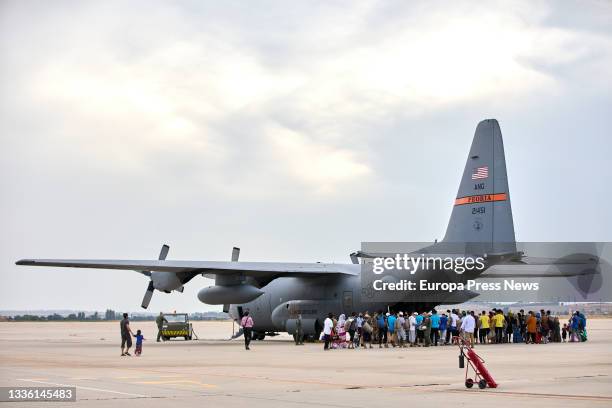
point(482, 215)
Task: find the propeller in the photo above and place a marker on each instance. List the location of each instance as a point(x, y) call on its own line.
point(148, 295)
point(235, 254)
point(164, 252)
point(150, 289)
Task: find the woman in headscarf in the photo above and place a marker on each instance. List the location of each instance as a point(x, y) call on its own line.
point(340, 342)
point(368, 328)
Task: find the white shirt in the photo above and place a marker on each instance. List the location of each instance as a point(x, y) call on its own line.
point(401, 321)
point(469, 324)
point(454, 319)
point(327, 326)
point(412, 321)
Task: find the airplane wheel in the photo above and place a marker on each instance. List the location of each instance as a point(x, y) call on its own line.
point(482, 384)
point(469, 383)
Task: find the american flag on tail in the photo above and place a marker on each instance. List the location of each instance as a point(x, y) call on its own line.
point(480, 173)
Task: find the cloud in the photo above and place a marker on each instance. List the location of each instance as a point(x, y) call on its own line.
point(319, 166)
point(178, 82)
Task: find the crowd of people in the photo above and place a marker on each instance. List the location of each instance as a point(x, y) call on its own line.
point(426, 329)
point(400, 329)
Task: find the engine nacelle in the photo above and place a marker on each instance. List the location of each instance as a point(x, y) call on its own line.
point(226, 294)
point(166, 281)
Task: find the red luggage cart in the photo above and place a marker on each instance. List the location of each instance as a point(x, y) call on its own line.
point(482, 377)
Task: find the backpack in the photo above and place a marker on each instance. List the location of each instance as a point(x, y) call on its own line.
point(347, 324)
point(398, 324)
point(516, 336)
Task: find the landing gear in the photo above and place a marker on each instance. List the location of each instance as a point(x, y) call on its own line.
point(311, 338)
point(258, 336)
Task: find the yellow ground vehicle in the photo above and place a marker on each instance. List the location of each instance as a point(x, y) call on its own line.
point(177, 325)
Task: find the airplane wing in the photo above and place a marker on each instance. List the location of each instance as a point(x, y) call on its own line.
point(258, 270)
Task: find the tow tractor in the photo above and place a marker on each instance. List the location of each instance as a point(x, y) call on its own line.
point(177, 326)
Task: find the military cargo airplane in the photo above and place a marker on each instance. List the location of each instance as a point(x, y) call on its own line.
point(275, 293)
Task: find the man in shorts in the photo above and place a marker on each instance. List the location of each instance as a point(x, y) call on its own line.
point(126, 335)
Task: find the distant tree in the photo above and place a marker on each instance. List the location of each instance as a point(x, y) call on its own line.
point(29, 318)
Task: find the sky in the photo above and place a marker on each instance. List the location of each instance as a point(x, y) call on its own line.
point(294, 130)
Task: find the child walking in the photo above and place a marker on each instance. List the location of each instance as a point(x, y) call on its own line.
point(139, 339)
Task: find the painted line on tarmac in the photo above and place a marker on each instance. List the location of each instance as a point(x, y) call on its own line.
point(144, 377)
point(539, 395)
point(83, 388)
point(325, 383)
point(177, 381)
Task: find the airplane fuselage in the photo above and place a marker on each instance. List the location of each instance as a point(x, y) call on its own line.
point(314, 297)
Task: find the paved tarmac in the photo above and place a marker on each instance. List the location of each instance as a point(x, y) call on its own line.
point(218, 372)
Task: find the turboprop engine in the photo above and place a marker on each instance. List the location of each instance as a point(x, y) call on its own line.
point(162, 281)
point(166, 282)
